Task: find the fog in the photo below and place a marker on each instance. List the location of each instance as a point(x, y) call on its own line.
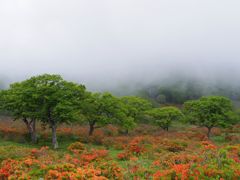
point(127, 43)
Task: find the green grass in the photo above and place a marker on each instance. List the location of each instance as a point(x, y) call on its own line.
point(219, 140)
point(12, 143)
point(15, 147)
point(63, 142)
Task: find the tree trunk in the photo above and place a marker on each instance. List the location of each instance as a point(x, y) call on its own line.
point(31, 126)
point(91, 128)
point(209, 132)
point(54, 135)
point(164, 128)
point(33, 132)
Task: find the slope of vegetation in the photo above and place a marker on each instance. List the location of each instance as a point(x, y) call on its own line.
point(55, 129)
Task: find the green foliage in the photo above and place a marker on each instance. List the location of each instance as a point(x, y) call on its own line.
point(136, 106)
point(102, 109)
point(99, 108)
point(43, 97)
point(34, 97)
point(211, 111)
point(58, 99)
point(20, 99)
point(164, 116)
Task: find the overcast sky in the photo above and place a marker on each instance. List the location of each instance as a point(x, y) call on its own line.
point(108, 42)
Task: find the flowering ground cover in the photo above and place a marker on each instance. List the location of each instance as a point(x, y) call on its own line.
point(147, 153)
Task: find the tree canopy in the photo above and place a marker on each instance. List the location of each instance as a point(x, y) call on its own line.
point(211, 111)
point(164, 116)
point(102, 109)
point(136, 105)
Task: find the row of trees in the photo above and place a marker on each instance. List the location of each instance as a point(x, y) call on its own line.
point(51, 100)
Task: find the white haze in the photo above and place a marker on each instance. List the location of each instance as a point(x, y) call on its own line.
point(109, 43)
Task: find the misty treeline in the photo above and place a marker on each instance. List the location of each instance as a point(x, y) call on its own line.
point(180, 90)
point(51, 100)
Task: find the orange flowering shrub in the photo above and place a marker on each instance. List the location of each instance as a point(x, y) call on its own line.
point(68, 171)
point(93, 155)
point(40, 163)
point(76, 147)
point(116, 142)
point(40, 152)
point(111, 130)
point(208, 145)
point(134, 148)
point(97, 137)
point(124, 156)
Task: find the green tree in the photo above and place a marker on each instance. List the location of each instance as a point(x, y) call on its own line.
point(59, 101)
point(21, 101)
point(135, 107)
point(209, 112)
point(102, 109)
point(164, 116)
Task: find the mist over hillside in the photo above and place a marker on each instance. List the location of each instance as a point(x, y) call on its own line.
point(174, 89)
point(124, 47)
point(178, 89)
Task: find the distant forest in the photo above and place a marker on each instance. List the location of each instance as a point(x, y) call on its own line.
point(180, 91)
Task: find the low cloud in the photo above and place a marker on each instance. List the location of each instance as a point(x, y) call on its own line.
point(109, 44)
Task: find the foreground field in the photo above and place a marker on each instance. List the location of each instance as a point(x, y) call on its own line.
point(146, 153)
